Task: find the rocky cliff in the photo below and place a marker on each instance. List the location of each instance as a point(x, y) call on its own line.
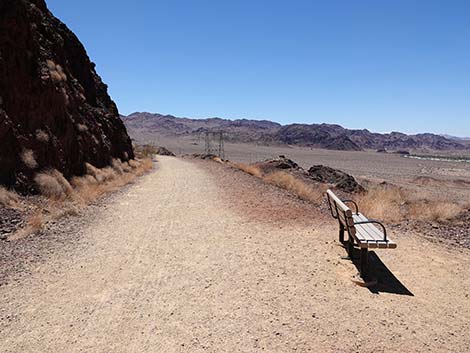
point(55, 111)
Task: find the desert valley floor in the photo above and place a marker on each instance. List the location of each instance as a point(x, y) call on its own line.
point(197, 257)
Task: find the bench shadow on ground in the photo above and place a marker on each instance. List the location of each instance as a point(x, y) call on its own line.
point(386, 280)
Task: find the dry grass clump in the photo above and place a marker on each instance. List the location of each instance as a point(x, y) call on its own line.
point(312, 193)
point(56, 71)
point(145, 151)
point(395, 204)
point(64, 198)
point(8, 198)
point(82, 127)
point(27, 156)
point(53, 185)
point(297, 186)
point(42, 136)
point(250, 169)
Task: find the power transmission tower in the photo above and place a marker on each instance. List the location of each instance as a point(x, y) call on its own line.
point(214, 143)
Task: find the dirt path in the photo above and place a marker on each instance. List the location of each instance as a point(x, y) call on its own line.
point(170, 267)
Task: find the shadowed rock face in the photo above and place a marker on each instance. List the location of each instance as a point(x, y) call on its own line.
point(55, 111)
point(336, 177)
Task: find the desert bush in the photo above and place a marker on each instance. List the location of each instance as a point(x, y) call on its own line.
point(42, 136)
point(145, 151)
point(395, 204)
point(133, 163)
point(297, 186)
point(82, 127)
point(27, 156)
point(52, 184)
point(56, 71)
point(117, 166)
point(8, 198)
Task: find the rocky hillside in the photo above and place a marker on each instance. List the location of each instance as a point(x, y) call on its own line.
point(146, 127)
point(55, 111)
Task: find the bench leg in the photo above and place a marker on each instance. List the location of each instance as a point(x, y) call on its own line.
point(364, 262)
point(350, 247)
point(341, 233)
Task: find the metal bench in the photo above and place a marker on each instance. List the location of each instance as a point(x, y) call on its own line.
point(362, 232)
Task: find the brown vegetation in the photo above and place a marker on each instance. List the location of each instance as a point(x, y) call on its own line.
point(8, 198)
point(395, 204)
point(42, 136)
point(287, 181)
point(62, 198)
point(27, 156)
point(387, 202)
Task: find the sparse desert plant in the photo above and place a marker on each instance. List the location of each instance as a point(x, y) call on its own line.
point(52, 184)
point(117, 166)
point(395, 204)
point(27, 156)
point(42, 136)
point(145, 151)
point(82, 127)
point(250, 169)
point(297, 186)
point(384, 203)
point(8, 198)
point(56, 71)
point(133, 163)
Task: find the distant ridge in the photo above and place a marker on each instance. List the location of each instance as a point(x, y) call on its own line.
point(143, 126)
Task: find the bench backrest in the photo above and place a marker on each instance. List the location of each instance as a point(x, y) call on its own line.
point(341, 212)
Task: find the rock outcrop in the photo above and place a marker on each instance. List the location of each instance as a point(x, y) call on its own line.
point(55, 111)
point(336, 177)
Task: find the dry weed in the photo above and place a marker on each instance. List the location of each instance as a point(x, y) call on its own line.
point(27, 156)
point(52, 184)
point(394, 204)
point(8, 198)
point(82, 127)
point(297, 186)
point(42, 136)
point(56, 71)
point(250, 169)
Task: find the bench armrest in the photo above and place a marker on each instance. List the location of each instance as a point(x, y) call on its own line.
point(374, 222)
point(354, 203)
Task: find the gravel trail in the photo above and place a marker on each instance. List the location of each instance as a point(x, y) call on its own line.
point(169, 267)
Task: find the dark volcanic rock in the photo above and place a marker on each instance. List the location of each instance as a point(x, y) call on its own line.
point(163, 151)
point(338, 178)
point(282, 163)
point(55, 111)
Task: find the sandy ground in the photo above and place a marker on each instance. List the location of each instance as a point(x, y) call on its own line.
point(191, 259)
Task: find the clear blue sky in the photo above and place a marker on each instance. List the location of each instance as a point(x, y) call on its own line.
point(385, 65)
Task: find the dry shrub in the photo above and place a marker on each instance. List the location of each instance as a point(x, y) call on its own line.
point(134, 163)
point(42, 136)
point(52, 184)
point(56, 71)
point(65, 200)
point(395, 204)
point(34, 224)
point(8, 198)
point(384, 203)
point(82, 127)
point(435, 211)
point(250, 169)
point(117, 166)
point(297, 186)
point(27, 156)
point(145, 151)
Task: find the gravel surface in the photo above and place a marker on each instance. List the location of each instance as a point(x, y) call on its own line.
point(198, 257)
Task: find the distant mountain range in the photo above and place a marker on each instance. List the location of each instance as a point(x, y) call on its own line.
point(147, 126)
